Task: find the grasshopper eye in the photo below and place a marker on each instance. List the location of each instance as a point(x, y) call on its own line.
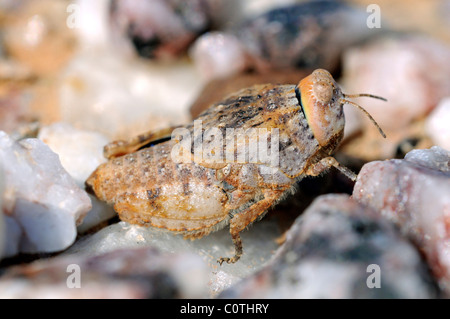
point(323, 91)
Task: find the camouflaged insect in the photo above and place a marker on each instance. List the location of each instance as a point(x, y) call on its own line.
point(193, 197)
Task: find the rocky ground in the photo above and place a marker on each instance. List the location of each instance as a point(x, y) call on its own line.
point(76, 75)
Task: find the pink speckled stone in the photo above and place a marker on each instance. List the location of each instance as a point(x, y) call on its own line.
point(414, 194)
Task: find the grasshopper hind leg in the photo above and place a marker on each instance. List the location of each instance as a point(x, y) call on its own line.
point(238, 250)
point(246, 217)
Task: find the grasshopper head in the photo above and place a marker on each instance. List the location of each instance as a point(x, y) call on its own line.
point(322, 101)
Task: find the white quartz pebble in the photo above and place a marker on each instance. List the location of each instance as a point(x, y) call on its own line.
point(121, 97)
point(437, 124)
point(80, 152)
point(412, 72)
point(40, 196)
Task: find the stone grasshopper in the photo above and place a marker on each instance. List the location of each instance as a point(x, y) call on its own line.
point(172, 185)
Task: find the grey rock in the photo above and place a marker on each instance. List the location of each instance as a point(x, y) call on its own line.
point(309, 35)
point(13, 234)
point(435, 158)
point(161, 29)
point(126, 273)
point(336, 249)
point(415, 195)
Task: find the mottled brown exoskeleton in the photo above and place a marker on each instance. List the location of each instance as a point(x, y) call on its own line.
point(195, 197)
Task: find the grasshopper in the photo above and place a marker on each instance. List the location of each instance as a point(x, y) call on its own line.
point(196, 196)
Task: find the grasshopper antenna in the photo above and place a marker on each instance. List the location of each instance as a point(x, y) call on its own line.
point(362, 109)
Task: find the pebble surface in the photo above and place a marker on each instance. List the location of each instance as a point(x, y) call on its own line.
point(437, 124)
point(120, 274)
point(415, 195)
point(415, 72)
point(334, 251)
point(41, 201)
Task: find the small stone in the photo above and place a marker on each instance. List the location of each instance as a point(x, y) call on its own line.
point(38, 36)
point(79, 151)
point(411, 72)
point(127, 273)
point(40, 196)
point(100, 213)
point(144, 97)
point(435, 158)
point(336, 249)
point(219, 55)
point(13, 236)
point(91, 23)
point(437, 124)
point(161, 29)
point(291, 36)
point(14, 109)
point(414, 194)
